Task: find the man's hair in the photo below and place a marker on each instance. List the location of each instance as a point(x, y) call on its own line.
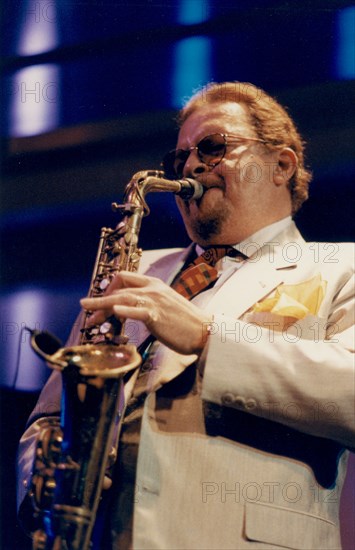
point(271, 122)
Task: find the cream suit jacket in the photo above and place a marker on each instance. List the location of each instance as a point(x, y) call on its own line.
point(253, 454)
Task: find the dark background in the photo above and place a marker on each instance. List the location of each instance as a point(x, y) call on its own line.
point(117, 72)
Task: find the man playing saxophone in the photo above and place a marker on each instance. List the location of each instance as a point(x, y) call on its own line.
point(238, 426)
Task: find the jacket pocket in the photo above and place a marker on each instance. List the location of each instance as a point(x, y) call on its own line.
point(289, 528)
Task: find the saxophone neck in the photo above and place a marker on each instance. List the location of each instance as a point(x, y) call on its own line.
point(148, 181)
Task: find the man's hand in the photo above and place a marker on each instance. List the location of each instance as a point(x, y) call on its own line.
point(172, 319)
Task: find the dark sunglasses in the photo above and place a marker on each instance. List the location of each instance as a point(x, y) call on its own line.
point(211, 150)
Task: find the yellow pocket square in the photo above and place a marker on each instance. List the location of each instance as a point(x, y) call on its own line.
point(297, 300)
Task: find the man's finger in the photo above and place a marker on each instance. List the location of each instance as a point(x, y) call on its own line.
point(107, 302)
point(126, 279)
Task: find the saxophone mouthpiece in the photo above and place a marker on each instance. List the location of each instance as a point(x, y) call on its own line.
point(190, 189)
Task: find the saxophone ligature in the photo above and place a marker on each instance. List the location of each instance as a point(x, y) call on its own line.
point(73, 454)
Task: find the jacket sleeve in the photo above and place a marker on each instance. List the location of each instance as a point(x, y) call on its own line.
point(47, 406)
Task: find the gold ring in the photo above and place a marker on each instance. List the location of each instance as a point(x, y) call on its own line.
point(140, 302)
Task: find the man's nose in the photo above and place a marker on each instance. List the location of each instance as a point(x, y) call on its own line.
point(194, 165)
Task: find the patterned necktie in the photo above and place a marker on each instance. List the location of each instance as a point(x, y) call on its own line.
point(201, 273)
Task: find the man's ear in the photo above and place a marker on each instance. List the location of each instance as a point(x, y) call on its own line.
point(286, 166)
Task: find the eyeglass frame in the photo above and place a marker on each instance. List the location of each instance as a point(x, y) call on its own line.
point(226, 143)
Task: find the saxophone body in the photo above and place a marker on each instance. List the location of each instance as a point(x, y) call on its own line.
point(73, 455)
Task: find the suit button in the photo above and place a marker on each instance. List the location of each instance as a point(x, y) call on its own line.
point(228, 398)
point(239, 402)
point(250, 404)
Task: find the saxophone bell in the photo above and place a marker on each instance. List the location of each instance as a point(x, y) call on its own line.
point(108, 361)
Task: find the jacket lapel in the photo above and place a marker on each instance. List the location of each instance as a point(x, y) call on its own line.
point(169, 265)
point(164, 266)
point(239, 289)
point(244, 287)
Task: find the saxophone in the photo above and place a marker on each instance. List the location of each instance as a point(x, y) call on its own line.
point(73, 455)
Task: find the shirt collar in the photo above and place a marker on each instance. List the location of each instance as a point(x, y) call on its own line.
point(257, 240)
